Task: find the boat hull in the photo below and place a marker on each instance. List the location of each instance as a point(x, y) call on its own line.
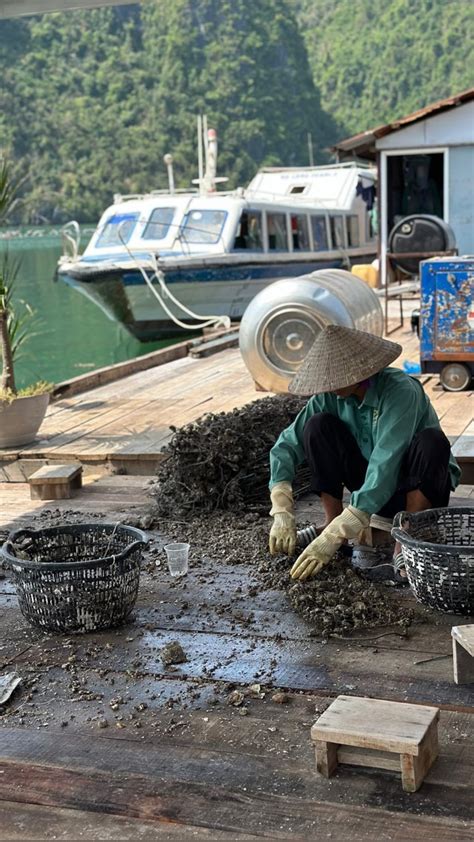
point(124, 296)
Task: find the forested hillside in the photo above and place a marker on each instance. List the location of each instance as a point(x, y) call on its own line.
point(90, 101)
point(375, 60)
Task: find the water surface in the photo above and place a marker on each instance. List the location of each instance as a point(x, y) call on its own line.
point(69, 335)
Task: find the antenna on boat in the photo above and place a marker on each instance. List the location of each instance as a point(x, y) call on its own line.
point(168, 159)
point(204, 137)
point(207, 154)
point(200, 153)
point(310, 149)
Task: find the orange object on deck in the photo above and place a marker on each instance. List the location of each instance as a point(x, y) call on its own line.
point(367, 272)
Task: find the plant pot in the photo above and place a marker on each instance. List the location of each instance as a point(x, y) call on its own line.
point(21, 419)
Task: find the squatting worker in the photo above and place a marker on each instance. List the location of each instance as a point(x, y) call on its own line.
point(367, 427)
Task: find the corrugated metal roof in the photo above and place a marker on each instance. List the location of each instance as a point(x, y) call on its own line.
point(366, 140)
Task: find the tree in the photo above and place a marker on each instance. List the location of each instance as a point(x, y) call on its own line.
point(243, 62)
point(374, 62)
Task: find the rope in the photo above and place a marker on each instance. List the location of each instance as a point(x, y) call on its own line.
point(218, 321)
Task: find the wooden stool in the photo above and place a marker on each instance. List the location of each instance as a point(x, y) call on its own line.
point(368, 732)
point(55, 482)
point(463, 653)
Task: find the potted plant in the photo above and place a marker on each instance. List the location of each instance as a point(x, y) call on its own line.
point(21, 412)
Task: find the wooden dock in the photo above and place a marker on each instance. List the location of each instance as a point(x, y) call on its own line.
point(124, 424)
point(103, 741)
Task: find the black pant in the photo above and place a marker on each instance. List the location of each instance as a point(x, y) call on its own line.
point(335, 461)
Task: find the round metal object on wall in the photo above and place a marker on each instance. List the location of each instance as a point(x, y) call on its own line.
point(455, 377)
point(281, 323)
point(419, 233)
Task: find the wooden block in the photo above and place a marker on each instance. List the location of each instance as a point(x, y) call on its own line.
point(463, 653)
point(371, 732)
point(373, 723)
point(55, 482)
point(52, 474)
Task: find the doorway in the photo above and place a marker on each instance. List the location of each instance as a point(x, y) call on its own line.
point(415, 184)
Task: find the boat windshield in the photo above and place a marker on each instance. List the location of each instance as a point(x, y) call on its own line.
point(117, 230)
point(158, 224)
point(203, 226)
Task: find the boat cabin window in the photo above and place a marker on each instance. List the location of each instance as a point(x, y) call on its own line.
point(277, 233)
point(320, 235)
point(249, 231)
point(353, 238)
point(298, 188)
point(117, 230)
point(203, 226)
point(337, 232)
point(300, 232)
point(158, 224)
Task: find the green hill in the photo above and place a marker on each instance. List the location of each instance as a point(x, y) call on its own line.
point(91, 101)
point(376, 60)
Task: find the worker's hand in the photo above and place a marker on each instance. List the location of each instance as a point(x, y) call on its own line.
point(313, 558)
point(283, 534)
point(317, 554)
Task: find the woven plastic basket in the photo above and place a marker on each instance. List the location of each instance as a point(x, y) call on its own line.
point(76, 578)
point(438, 551)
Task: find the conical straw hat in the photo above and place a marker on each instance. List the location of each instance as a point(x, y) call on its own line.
point(340, 357)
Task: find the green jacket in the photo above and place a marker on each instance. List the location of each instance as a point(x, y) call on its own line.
point(394, 409)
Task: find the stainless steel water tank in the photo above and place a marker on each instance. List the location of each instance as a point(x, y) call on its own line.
point(281, 323)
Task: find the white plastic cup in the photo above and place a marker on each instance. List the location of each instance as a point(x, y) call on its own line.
point(177, 558)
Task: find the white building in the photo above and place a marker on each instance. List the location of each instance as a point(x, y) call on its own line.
point(425, 164)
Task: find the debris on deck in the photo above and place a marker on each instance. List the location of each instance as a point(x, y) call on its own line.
point(221, 461)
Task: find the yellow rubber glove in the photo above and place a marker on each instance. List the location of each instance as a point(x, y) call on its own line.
point(317, 554)
point(283, 532)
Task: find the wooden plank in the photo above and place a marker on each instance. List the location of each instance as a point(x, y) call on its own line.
point(373, 723)
point(113, 496)
point(366, 757)
point(130, 417)
point(458, 416)
point(89, 426)
point(34, 823)
point(207, 349)
point(51, 474)
point(230, 811)
point(120, 370)
point(268, 794)
point(463, 448)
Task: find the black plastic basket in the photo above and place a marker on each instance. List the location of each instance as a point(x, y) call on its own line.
point(76, 578)
point(438, 551)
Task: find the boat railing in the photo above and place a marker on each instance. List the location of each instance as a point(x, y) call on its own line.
point(71, 238)
point(183, 191)
point(343, 165)
point(126, 197)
